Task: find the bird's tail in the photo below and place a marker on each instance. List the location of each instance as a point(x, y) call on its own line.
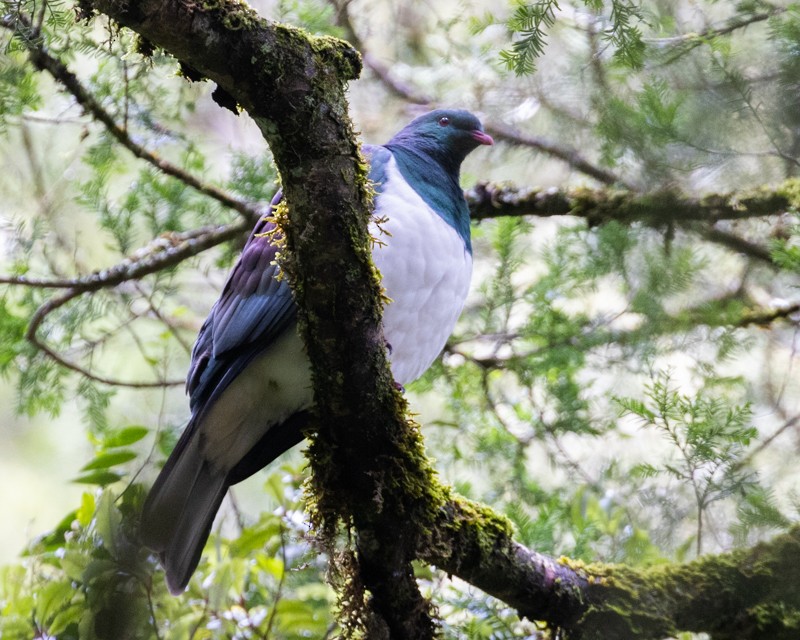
point(180, 509)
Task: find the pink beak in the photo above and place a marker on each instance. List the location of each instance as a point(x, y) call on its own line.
point(482, 138)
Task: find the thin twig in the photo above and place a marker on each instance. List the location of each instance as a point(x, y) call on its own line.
point(568, 155)
point(276, 597)
point(736, 243)
point(498, 130)
point(44, 61)
point(128, 270)
point(687, 42)
point(147, 295)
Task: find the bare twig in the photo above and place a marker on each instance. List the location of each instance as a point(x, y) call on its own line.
point(685, 43)
point(568, 155)
point(737, 244)
point(499, 130)
point(156, 259)
point(44, 61)
point(163, 319)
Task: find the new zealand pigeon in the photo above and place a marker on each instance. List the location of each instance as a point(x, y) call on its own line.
point(249, 381)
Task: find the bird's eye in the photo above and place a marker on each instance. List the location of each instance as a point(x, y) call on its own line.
point(444, 121)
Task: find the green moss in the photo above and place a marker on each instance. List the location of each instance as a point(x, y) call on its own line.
point(656, 602)
point(790, 190)
point(235, 15)
point(143, 46)
point(489, 525)
point(346, 60)
point(774, 620)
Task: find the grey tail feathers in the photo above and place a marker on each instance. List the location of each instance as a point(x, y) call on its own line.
point(181, 506)
point(180, 509)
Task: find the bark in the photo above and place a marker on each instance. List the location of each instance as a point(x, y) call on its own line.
point(667, 210)
point(749, 594)
point(369, 467)
point(598, 206)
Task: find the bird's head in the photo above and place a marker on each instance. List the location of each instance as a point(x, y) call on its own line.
point(447, 135)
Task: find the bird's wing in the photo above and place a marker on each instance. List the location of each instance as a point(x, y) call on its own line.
point(255, 307)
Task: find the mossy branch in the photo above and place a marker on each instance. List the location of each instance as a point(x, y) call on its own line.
point(367, 460)
point(666, 210)
point(599, 206)
point(749, 594)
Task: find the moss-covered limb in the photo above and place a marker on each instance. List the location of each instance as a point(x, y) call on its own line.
point(749, 594)
point(472, 542)
point(366, 458)
point(371, 472)
point(604, 205)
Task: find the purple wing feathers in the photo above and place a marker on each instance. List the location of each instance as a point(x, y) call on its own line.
point(255, 307)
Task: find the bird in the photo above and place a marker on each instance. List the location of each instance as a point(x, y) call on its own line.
point(249, 379)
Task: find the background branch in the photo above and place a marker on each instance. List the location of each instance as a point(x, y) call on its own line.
point(498, 130)
point(44, 61)
point(605, 205)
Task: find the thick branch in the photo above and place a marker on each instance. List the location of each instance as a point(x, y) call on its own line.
point(745, 593)
point(604, 205)
point(293, 85)
point(659, 210)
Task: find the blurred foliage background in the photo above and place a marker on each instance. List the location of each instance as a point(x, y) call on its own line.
point(624, 392)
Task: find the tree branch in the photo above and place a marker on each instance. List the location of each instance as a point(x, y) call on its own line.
point(681, 45)
point(598, 206)
point(164, 252)
point(44, 61)
point(498, 130)
point(657, 210)
point(734, 595)
point(568, 155)
point(293, 86)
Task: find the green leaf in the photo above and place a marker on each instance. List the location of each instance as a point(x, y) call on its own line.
point(55, 538)
point(74, 563)
point(108, 520)
point(99, 477)
point(86, 511)
point(271, 566)
point(62, 620)
point(52, 598)
point(124, 437)
point(107, 460)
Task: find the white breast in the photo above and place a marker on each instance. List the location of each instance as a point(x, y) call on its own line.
point(426, 273)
